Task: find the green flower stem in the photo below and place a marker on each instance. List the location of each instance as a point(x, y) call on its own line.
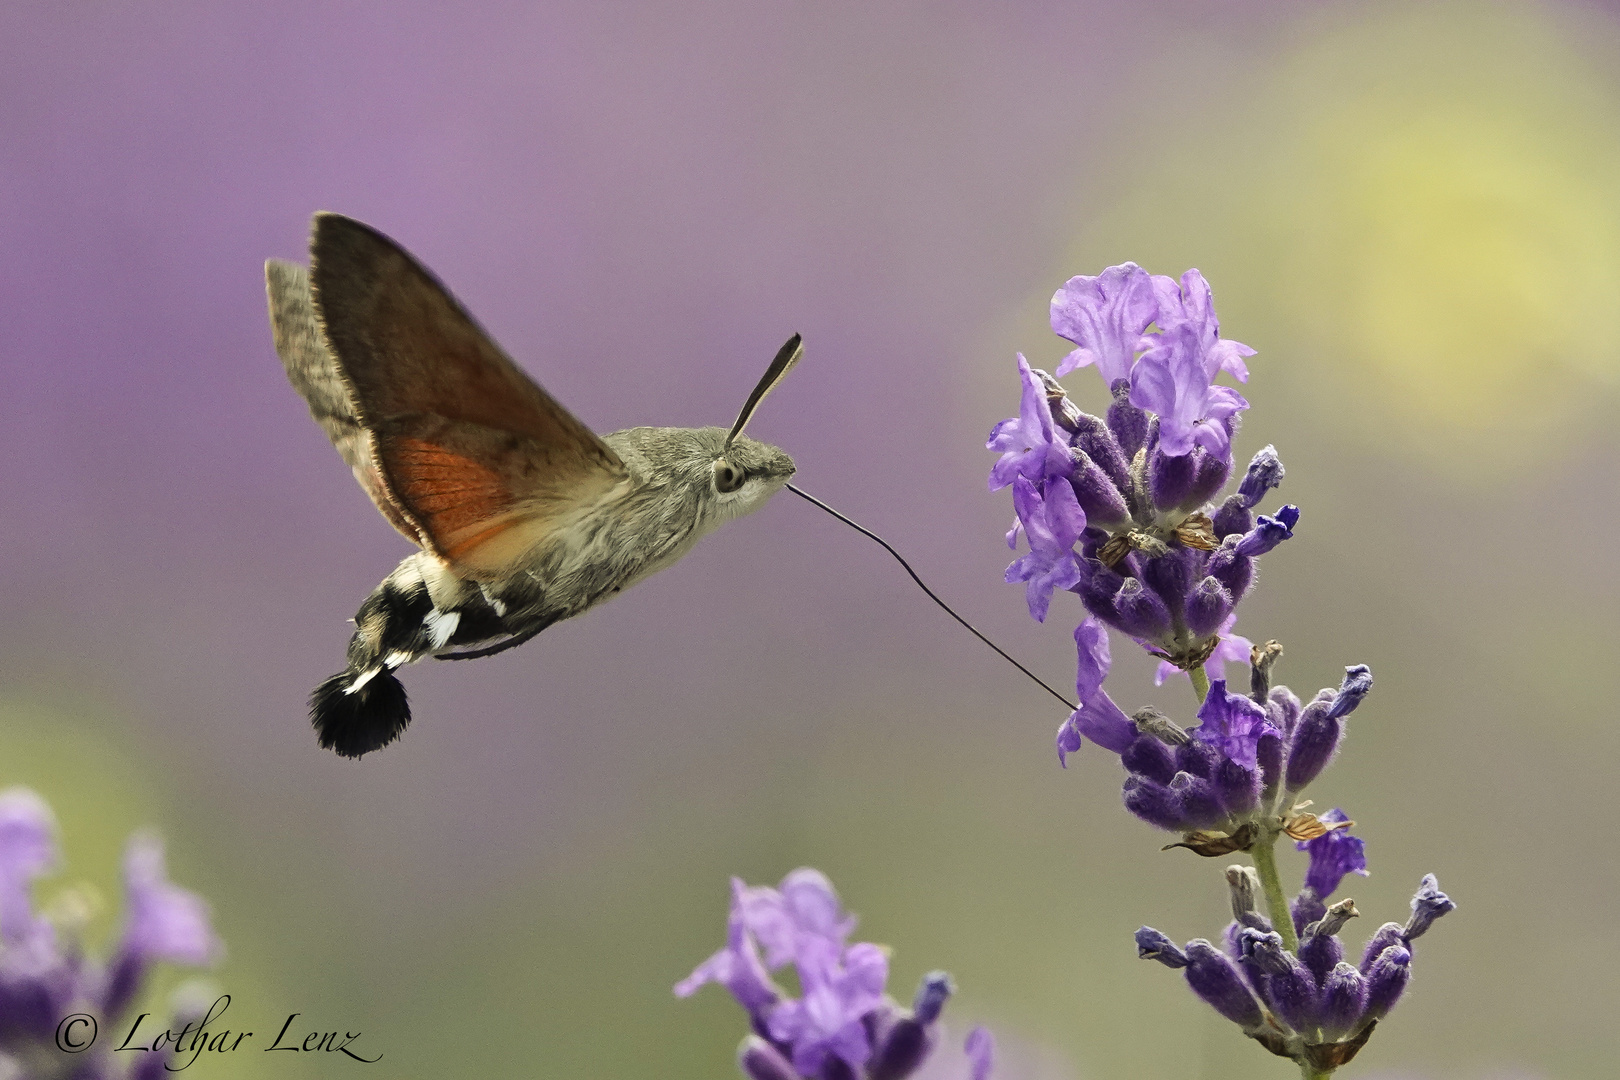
point(1200, 683)
point(1265, 862)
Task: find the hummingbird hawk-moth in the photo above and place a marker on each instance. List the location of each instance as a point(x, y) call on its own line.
point(522, 515)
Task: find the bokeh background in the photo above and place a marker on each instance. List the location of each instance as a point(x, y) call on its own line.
point(1411, 210)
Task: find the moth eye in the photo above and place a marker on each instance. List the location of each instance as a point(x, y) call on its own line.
point(727, 477)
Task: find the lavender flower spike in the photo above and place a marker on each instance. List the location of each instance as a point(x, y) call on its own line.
point(1105, 317)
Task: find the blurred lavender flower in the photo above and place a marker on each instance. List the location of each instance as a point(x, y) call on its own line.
point(45, 975)
point(844, 1026)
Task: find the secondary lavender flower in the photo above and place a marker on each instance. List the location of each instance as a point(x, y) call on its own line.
point(1105, 316)
point(1030, 444)
point(843, 1024)
point(1053, 525)
point(1175, 378)
point(45, 974)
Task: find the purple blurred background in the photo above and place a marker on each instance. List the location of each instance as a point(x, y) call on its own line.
point(1409, 211)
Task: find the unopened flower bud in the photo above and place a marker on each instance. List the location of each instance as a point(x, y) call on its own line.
point(1200, 806)
point(1170, 479)
point(1215, 978)
point(1172, 575)
point(1316, 740)
point(1096, 493)
point(1208, 605)
point(1387, 979)
point(1209, 477)
point(1141, 613)
point(1147, 756)
point(1152, 945)
point(1344, 1000)
point(1428, 905)
point(1388, 935)
point(1237, 787)
point(1283, 708)
point(1153, 802)
point(1320, 953)
point(1306, 908)
point(1234, 570)
point(1265, 472)
point(1289, 984)
point(1232, 518)
point(1197, 758)
point(1092, 436)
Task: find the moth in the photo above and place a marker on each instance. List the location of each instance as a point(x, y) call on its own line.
point(522, 516)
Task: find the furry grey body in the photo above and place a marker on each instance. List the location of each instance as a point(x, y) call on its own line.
point(639, 527)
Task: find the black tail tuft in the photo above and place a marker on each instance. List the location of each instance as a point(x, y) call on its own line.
point(366, 720)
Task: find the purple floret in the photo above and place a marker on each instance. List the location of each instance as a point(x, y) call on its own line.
point(1105, 317)
point(1333, 855)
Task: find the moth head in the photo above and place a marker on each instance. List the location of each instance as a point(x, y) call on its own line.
point(747, 472)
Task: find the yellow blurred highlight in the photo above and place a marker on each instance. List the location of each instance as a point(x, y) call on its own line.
point(1453, 219)
point(1415, 218)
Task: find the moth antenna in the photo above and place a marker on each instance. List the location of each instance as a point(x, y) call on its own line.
point(788, 355)
point(801, 493)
